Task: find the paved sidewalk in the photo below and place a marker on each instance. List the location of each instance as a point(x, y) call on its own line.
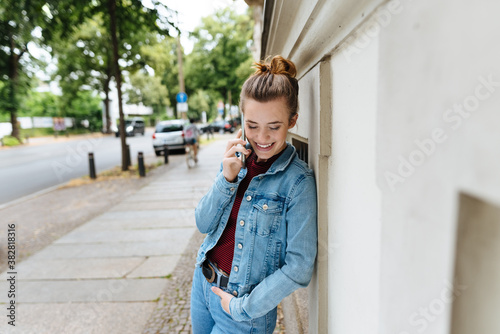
point(108, 275)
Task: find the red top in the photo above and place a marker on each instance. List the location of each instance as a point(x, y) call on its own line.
point(222, 254)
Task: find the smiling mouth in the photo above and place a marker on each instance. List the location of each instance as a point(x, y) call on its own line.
point(264, 146)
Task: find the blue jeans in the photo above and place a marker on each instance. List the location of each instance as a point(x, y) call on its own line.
point(208, 316)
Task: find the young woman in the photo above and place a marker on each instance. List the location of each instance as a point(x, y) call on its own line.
point(260, 219)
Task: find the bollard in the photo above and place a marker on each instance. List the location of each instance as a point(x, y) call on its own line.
point(91, 166)
point(127, 151)
point(165, 153)
point(140, 162)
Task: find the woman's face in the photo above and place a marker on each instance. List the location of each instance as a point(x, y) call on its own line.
point(266, 126)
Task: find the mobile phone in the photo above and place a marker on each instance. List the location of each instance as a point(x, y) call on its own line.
point(243, 157)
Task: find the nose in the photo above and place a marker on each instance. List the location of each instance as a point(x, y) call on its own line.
point(263, 135)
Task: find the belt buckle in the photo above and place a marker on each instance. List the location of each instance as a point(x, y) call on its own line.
point(212, 276)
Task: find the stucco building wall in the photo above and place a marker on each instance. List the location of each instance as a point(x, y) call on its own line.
point(399, 106)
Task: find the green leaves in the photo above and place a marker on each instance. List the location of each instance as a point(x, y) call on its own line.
point(77, 35)
point(147, 89)
point(40, 104)
point(221, 57)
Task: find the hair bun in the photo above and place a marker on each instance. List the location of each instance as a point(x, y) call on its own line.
point(277, 65)
point(262, 68)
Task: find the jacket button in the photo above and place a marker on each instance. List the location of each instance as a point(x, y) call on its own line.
point(265, 207)
point(240, 246)
point(249, 198)
point(235, 293)
point(232, 189)
point(236, 269)
point(242, 223)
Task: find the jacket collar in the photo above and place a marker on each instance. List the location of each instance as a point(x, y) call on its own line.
point(279, 165)
point(283, 161)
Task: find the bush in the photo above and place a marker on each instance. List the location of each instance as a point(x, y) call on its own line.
point(10, 141)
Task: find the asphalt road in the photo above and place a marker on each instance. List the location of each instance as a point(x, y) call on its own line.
point(28, 169)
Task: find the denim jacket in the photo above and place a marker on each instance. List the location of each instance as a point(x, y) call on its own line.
point(276, 233)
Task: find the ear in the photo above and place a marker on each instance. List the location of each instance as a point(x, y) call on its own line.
point(293, 121)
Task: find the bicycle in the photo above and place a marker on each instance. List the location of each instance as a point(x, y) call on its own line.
point(190, 159)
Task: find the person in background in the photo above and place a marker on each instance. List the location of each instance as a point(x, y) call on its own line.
point(260, 218)
point(191, 135)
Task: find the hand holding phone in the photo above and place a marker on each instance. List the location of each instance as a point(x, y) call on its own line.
point(234, 157)
point(243, 157)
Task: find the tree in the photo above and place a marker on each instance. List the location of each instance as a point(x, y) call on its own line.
point(24, 23)
point(222, 47)
point(86, 106)
point(18, 19)
point(158, 89)
point(198, 102)
point(84, 62)
point(148, 90)
point(126, 18)
point(40, 104)
point(127, 23)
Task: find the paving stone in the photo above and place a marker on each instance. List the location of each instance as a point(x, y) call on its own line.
point(172, 204)
point(91, 237)
point(80, 318)
point(170, 220)
point(118, 249)
point(143, 215)
point(44, 269)
point(110, 290)
point(156, 266)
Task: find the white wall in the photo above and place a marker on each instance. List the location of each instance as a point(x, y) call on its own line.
point(412, 124)
point(5, 129)
point(355, 200)
point(433, 57)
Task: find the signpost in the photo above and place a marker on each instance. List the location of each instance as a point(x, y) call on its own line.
point(182, 105)
point(181, 97)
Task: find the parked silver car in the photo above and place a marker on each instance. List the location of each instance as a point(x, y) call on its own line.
point(170, 133)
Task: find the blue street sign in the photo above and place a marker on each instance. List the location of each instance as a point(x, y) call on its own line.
point(181, 97)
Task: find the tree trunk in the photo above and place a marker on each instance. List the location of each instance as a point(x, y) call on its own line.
point(182, 88)
point(114, 40)
point(106, 105)
point(13, 105)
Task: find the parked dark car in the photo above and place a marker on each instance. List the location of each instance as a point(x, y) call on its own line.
point(132, 126)
point(220, 126)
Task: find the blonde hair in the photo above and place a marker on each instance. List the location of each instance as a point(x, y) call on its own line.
point(273, 79)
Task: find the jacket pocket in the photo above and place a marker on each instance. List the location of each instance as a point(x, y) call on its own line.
point(268, 214)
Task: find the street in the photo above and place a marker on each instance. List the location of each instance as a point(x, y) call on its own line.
point(29, 169)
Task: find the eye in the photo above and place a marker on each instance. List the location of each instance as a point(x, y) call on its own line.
point(275, 129)
point(252, 127)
